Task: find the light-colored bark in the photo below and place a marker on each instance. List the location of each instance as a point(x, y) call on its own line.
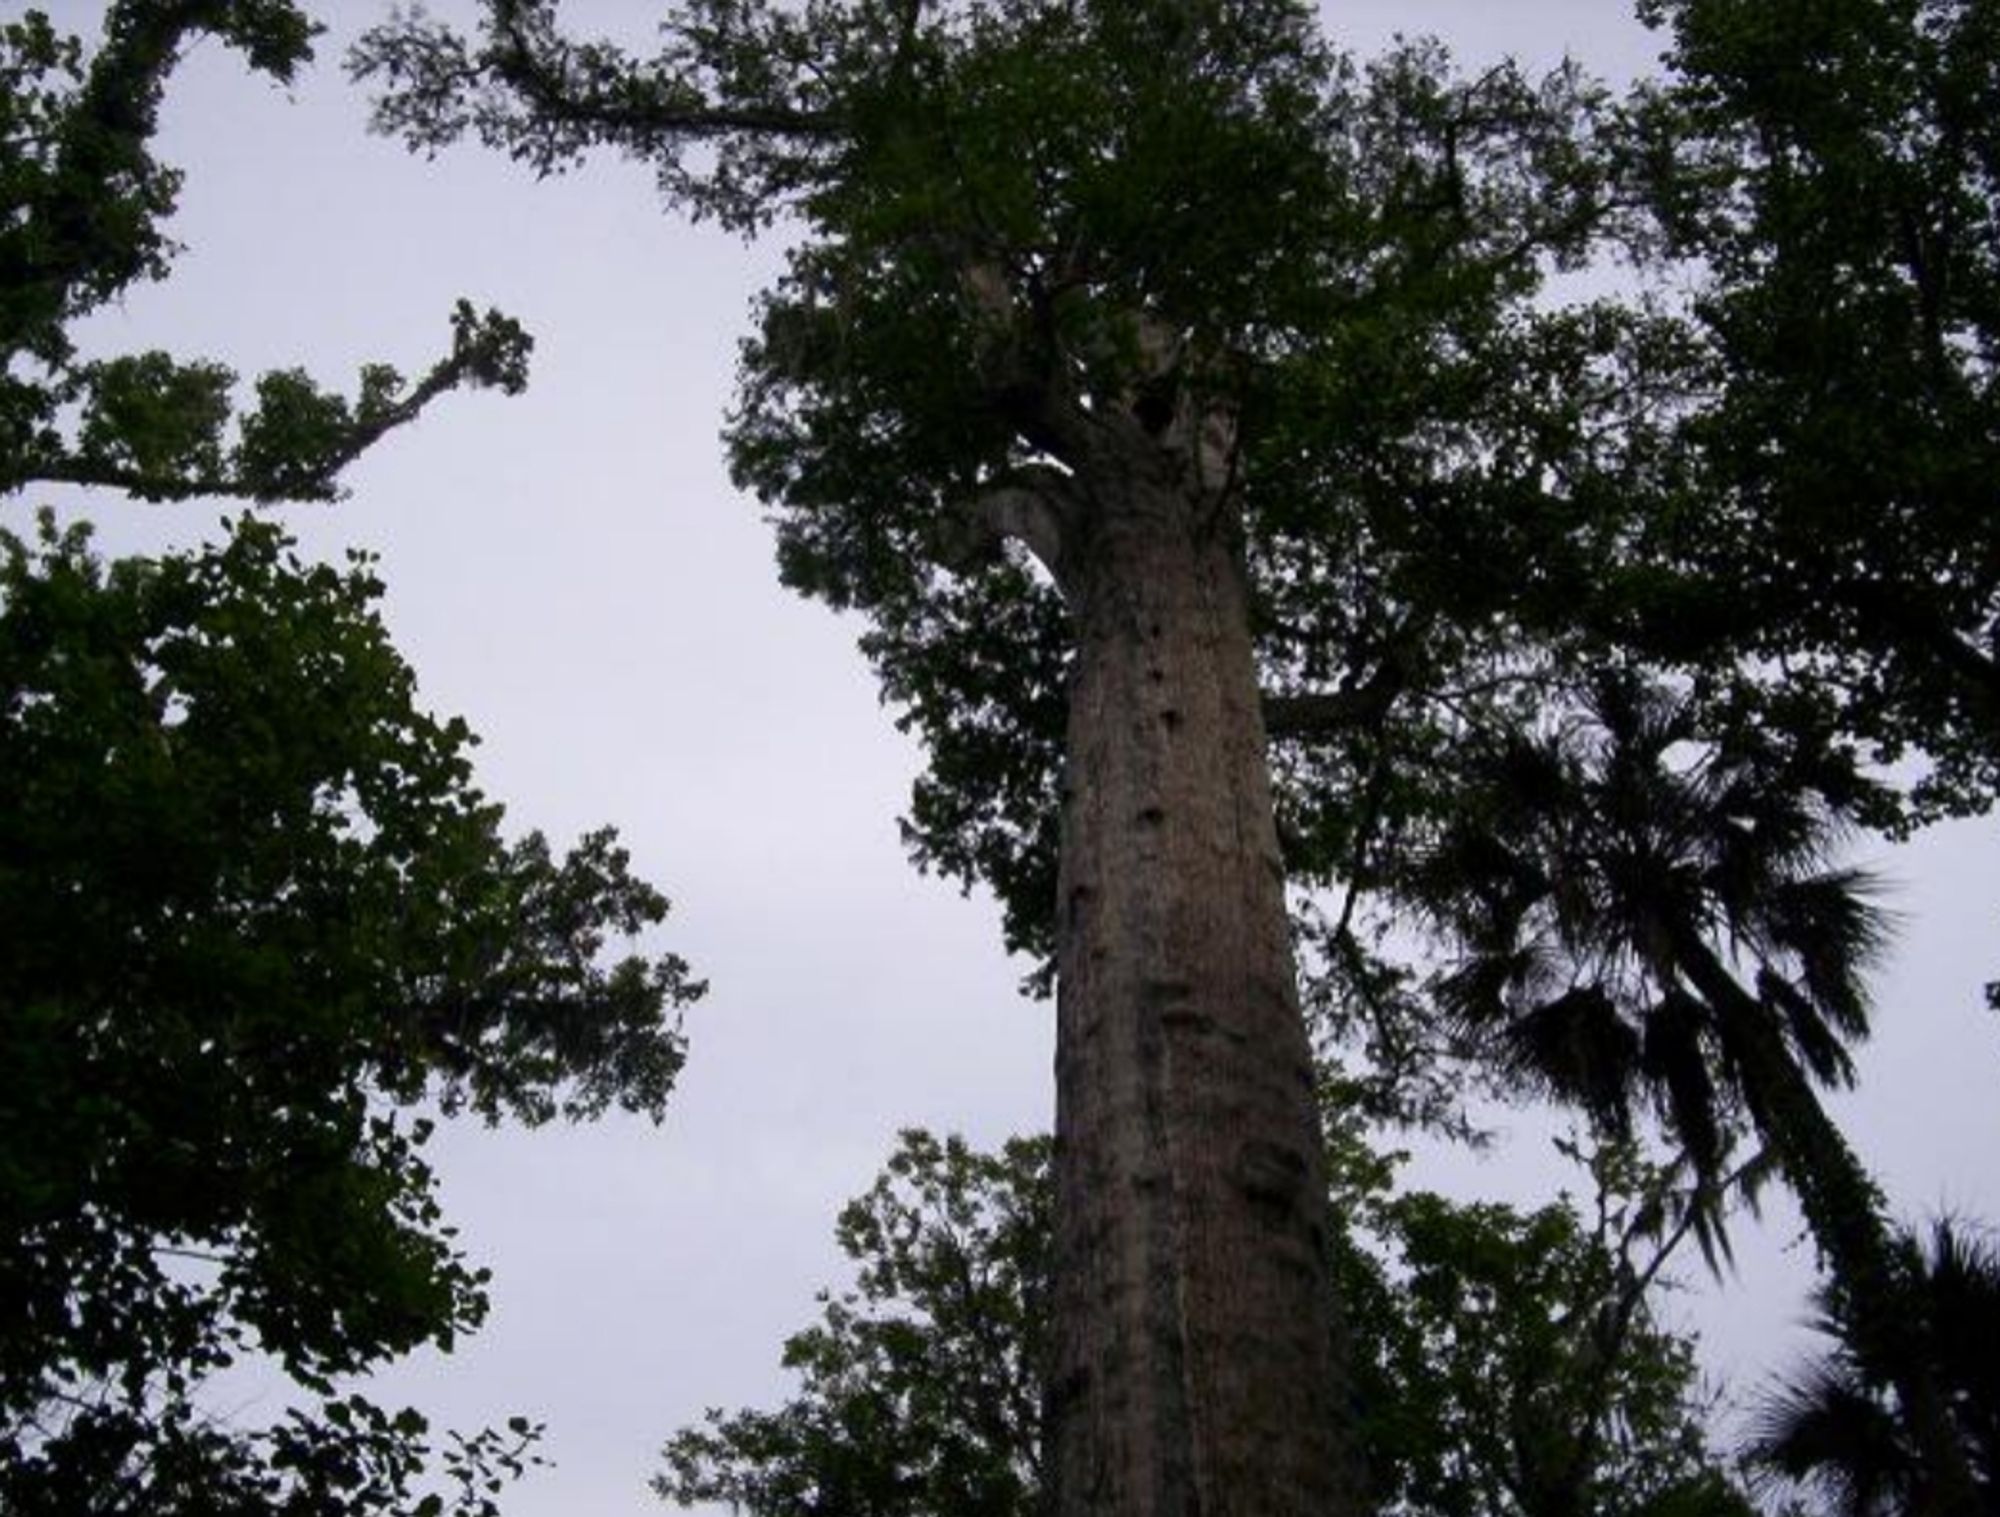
point(1196, 1369)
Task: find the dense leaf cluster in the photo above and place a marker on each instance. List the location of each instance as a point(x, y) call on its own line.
point(920, 1390)
point(253, 899)
point(1835, 169)
point(1506, 1362)
point(256, 909)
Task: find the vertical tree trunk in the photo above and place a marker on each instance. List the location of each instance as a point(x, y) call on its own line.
point(1195, 1366)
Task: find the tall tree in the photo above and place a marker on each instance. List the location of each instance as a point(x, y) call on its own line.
point(1645, 915)
point(1103, 443)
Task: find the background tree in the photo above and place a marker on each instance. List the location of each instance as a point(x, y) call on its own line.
point(921, 1389)
point(1507, 1363)
point(1648, 916)
point(1833, 172)
point(1522, 1368)
point(255, 904)
point(1836, 1425)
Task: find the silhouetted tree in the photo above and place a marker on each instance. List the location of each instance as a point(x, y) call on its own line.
point(1508, 1364)
point(1645, 916)
point(1108, 446)
point(255, 908)
point(1838, 1426)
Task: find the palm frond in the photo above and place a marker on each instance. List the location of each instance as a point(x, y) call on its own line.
point(1677, 1062)
point(1477, 996)
point(1816, 1044)
point(1837, 1427)
point(1831, 925)
point(1824, 1430)
point(1580, 1050)
point(1962, 1286)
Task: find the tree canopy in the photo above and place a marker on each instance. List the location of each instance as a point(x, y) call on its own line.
point(255, 904)
point(1789, 472)
point(262, 925)
point(1510, 1362)
point(1833, 172)
point(1024, 216)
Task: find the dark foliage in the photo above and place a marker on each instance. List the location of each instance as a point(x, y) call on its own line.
point(255, 908)
point(1507, 1363)
point(85, 204)
point(1834, 168)
point(1024, 215)
point(253, 903)
point(1835, 1424)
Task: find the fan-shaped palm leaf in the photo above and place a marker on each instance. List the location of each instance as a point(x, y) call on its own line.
point(1838, 1427)
point(1826, 1430)
point(1620, 867)
point(1626, 888)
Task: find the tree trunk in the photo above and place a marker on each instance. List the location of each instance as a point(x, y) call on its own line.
point(1195, 1364)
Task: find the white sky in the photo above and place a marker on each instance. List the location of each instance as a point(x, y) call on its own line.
point(572, 572)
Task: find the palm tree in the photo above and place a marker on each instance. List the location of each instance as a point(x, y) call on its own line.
point(1648, 917)
point(1832, 1425)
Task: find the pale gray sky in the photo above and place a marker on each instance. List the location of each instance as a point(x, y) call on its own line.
point(571, 571)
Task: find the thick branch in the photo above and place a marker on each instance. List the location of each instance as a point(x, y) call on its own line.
point(1036, 505)
point(1359, 704)
point(1930, 638)
point(1309, 717)
point(1337, 713)
point(523, 88)
point(486, 352)
point(67, 469)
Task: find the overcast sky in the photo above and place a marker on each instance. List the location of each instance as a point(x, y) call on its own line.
point(572, 572)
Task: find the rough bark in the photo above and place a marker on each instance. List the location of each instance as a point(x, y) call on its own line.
point(1195, 1357)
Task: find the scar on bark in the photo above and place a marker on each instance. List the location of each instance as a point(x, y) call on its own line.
point(1270, 1174)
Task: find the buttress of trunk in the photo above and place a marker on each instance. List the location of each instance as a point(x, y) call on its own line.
point(1195, 1366)
point(1873, 1283)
